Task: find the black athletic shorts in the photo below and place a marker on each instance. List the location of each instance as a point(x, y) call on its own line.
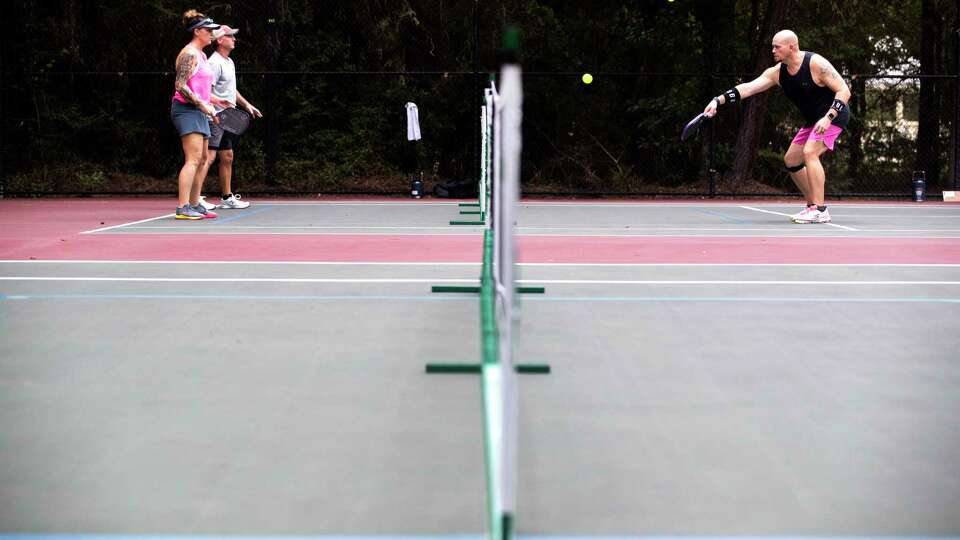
point(222, 140)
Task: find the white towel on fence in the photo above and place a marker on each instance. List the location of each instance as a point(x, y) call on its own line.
point(413, 122)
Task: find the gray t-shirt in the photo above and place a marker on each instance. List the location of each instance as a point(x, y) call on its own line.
point(224, 78)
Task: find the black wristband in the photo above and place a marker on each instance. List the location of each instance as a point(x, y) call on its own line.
point(732, 95)
point(838, 106)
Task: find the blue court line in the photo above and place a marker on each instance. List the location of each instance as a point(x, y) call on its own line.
point(260, 208)
point(739, 221)
point(468, 297)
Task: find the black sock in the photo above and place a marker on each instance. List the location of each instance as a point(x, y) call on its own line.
point(822, 208)
point(809, 204)
point(227, 196)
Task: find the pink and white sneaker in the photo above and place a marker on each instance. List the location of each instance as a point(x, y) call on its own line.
point(812, 215)
point(806, 209)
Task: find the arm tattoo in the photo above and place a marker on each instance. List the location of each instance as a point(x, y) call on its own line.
point(185, 63)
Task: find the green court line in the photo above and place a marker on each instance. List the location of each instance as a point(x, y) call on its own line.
point(455, 289)
point(463, 222)
point(468, 368)
point(476, 289)
point(531, 290)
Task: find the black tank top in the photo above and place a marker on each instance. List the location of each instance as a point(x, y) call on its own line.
point(812, 100)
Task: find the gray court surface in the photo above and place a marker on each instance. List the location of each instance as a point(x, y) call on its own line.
point(789, 400)
point(566, 219)
point(211, 398)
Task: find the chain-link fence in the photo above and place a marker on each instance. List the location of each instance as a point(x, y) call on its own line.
point(336, 132)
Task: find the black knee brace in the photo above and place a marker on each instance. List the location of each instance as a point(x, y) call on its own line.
point(795, 168)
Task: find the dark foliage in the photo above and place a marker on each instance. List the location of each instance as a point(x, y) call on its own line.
point(87, 84)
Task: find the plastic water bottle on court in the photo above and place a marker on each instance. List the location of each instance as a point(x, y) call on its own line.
point(416, 188)
point(919, 186)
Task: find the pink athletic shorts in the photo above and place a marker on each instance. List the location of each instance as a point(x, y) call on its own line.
point(828, 137)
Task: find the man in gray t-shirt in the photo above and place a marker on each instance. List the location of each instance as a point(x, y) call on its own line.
point(222, 142)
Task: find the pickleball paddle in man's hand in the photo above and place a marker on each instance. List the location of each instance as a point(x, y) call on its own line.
point(692, 127)
point(234, 120)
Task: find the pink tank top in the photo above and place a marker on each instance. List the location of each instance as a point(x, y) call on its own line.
point(200, 82)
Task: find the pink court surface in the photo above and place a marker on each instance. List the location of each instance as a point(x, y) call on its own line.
point(723, 232)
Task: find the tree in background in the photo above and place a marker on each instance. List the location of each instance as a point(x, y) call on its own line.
point(932, 62)
point(87, 84)
point(755, 108)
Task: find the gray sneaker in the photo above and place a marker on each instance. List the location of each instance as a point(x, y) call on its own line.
point(199, 208)
point(233, 201)
point(187, 212)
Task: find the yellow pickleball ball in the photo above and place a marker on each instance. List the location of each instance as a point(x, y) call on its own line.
point(587, 78)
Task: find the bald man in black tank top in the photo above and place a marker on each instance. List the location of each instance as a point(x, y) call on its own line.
point(815, 87)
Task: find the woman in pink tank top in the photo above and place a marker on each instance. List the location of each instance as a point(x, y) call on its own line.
point(191, 111)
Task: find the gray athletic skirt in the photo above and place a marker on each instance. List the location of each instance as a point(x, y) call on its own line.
point(189, 119)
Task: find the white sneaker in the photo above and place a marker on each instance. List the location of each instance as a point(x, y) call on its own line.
point(233, 201)
point(797, 216)
point(814, 216)
point(205, 204)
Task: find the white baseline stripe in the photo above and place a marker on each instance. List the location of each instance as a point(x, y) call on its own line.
point(625, 233)
point(788, 215)
point(930, 205)
point(457, 280)
point(237, 280)
point(465, 536)
point(308, 227)
point(724, 282)
point(442, 263)
point(914, 206)
point(272, 263)
point(955, 216)
point(126, 224)
point(357, 203)
point(626, 228)
point(477, 231)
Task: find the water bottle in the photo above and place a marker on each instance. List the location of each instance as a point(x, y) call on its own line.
point(416, 188)
point(919, 186)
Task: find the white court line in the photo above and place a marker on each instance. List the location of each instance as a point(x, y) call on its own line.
point(474, 280)
point(465, 536)
point(447, 263)
point(358, 203)
point(625, 234)
point(636, 204)
point(956, 216)
point(312, 227)
point(126, 224)
point(522, 228)
point(278, 263)
point(261, 229)
point(238, 280)
point(788, 215)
